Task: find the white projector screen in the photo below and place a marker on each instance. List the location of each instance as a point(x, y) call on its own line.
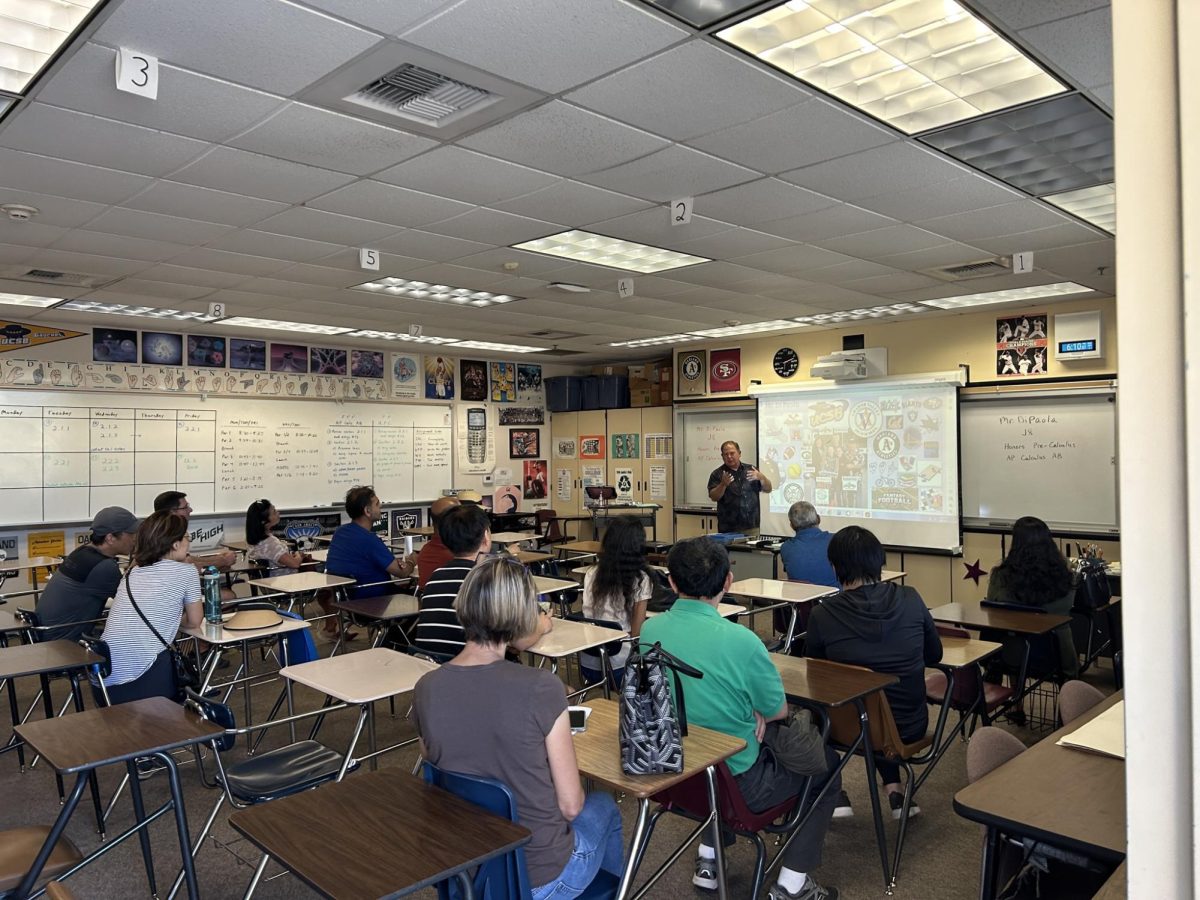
point(880, 454)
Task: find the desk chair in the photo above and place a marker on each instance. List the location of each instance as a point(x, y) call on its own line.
point(550, 532)
point(1075, 698)
point(606, 651)
point(1041, 671)
point(972, 694)
point(19, 848)
point(505, 877)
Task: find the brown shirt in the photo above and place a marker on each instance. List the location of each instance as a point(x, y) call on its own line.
point(492, 721)
point(432, 557)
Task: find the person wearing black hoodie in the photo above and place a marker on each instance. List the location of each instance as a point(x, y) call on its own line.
point(883, 626)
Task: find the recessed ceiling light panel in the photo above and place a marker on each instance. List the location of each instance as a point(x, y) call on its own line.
point(497, 348)
point(398, 336)
point(28, 300)
point(1033, 292)
point(1097, 205)
point(147, 312)
point(856, 315)
point(276, 325)
point(655, 341)
point(437, 293)
point(600, 250)
point(33, 31)
point(750, 328)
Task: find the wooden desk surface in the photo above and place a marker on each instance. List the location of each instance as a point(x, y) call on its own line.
point(363, 676)
point(1069, 798)
point(598, 752)
point(570, 637)
point(892, 575)
point(546, 585)
point(826, 683)
point(581, 547)
point(239, 546)
point(727, 610)
point(321, 554)
point(10, 623)
point(773, 589)
point(227, 636)
point(532, 556)
point(300, 582)
point(422, 531)
point(417, 835)
point(385, 608)
point(958, 652)
point(968, 615)
point(96, 737)
point(34, 562)
point(1116, 886)
point(49, 656)
point(513, 537)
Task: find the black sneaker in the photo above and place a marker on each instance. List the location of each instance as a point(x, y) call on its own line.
point(896, 801)
point(706, 874)
point(843, 810)
point(810, 891)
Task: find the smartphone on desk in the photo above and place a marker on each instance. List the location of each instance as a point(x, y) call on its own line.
point(578, 716)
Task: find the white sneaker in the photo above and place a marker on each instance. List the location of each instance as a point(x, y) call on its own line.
point(706, 873)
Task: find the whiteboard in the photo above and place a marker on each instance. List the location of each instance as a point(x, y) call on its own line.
point(68, 454)
point(1053, 456)
point(701, 434)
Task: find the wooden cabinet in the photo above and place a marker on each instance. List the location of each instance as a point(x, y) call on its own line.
point(694, 524)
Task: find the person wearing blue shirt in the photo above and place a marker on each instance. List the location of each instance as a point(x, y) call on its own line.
point(356, 552)
point(806, 554)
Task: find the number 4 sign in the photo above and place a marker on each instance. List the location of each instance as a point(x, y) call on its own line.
point(137, 73)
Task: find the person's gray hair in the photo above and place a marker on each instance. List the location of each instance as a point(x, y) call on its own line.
point(803, 514)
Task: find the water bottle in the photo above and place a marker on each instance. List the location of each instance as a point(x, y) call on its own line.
point(210, 586)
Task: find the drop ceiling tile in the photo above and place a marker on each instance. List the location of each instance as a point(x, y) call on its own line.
point(689, 90)
point(1080, 45)
point(972, 191)
point(324, 275)
point(832, 297)
point(658, 286)
point(98, 142)
point(765, 200)
point(190, 104)
point(829, 222)
point(424, 245)
point(546, 44)
point(290, 289)
point(490, 226)
point(583, 141)
point(52, 210)
point(389, 264)
point(278, 47)
point(724, 275)
point(465, 175)
point(574, 204)
point(316, 225)
point(994, 221)
point(1065, 235)
point(455, 276)
point(531, 265)
point(387, 203)
point(674, 172)
point(29, 234)
point(386, 17)
point(879, 241)
point(1104, 95)
point(892, 284)
point(1081, 260)
point(240, 172)
point(851, 270)
point(155, 227)
point(44, 175)
point(231, 263)
point(653, 226)
point(341, 143)
point(8, 286)
point(119, 246)
point(731, 243)
point(950, 254)
point(791, 260)
point(595, 277)
point(895, 166)
point(187, 276)
point(173, 198)
point(801, 135)
point(1017, 14)
point(12, 255)
point(161, 290)
point(276, 246)
point(60, 260)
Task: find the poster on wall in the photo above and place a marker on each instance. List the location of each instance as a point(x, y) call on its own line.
point(658, 482)
point(562, 485)
point(536, 477)
point(473, 379)
point(624, 483)
point(724, 371)
point(160, 349)
point(247, 354)
point(1021, 345)
point(504, 382)
point(506, 498)
point(326, 361)
point(406, 381)
point(114, 345)
point(524, 443)
point(657, 446)
point(439, 378)
point(529, 385)
point(366, 363)
point(591, 446)
point(476, 439)
point(522, 415)
point(206, 350)
point(564, 448)
point(10, 549)
point(591, 475)
point(691, 365)
point(625, 446)
point(46, 543)
point(404, 518)
point(289, 358)
point(22, 336)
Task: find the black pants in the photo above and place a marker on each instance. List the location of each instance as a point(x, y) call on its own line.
point(156, 681)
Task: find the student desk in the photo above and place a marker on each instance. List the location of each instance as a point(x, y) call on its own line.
point(794, 593)
point(425, 531)
point(381, 611)
point(892, 575)
point(578, 549)
point(504, 538)
point(1115, 888)
point(725, 610)
point(10, 625)
point(597, 751)
point(426, 835)
point(236, 546)
point(1068, 798)
point(79, 744)
point(359, 679)
point(300, 583)
point(549, 587)
point(31, 565)
point(529, 557)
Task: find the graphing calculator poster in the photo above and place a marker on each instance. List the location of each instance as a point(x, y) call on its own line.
point(476, 439)
point(1022, 345)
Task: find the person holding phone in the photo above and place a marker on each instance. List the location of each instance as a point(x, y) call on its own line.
point(735, 487)
point(483, 715)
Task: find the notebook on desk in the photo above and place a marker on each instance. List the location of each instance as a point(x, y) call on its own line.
point(1104, 734)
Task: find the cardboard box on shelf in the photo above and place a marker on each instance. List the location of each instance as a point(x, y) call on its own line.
point(646, 396)
point(611, 370)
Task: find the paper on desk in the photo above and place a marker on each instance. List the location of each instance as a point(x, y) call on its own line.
point(1104, 734)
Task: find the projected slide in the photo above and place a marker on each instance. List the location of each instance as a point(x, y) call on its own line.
point(883, 455)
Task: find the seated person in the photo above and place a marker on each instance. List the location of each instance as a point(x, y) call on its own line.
point(482, 715)
point(466, 532)
point(617, 589)
point(882, 626)
point(740, 693)
point(160, 589)
point(80, 587)
point(1034, 573)
point(176, 502)
point(357, 552)
point(434, 554)
point(805, 555)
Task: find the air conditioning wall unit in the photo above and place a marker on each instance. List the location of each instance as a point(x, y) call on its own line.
point(851, 365)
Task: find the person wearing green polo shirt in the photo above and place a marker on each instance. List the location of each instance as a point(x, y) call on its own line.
point(740, 693)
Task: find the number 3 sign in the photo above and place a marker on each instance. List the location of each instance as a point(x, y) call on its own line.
point(137, 73)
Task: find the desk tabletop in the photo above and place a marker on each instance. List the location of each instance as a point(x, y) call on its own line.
point(48, 656)
point(34, 562)
point(968, 615)
point(10, 623)
point(581, 547)
point(774, 589)
point(385, 608)
point(512, 537)
point(727, 611)
point(97, 737)
point(1116, 887)
point(425, 834)
point(239, 546)
point(532, 556)
point(363, 676)
point(547, 585)
point(598, 753)
point(1069, 798)
point(827, 683)
point(421, 531)
point(958, 652)
point(892, 575)
point(321, 554)
point(301, 582)
point(206, 632)
point(571, 637)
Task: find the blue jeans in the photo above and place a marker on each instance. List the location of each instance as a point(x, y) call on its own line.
point(598, 845)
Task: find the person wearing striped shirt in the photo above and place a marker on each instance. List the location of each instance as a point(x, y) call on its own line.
point(466, 532)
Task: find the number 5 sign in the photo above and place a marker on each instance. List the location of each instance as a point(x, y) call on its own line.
point(137, 73)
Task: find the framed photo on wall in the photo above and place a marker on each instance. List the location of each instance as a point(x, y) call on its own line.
point(524, 443)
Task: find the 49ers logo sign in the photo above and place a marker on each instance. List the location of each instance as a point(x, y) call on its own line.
point(725, 371)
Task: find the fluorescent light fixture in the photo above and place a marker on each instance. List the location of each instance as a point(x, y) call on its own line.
point(146, 312)
point(855, 315)
point(655, 341)
point(498, 348)
point(600, 250)
point(33, 32)
point(1097, 205)
point(569, 288)
point(751, 328)
point(29, 300)
point(275, 325)
point(914, 64)
point(440, 293)
point(1034, 292)
point(397, 336)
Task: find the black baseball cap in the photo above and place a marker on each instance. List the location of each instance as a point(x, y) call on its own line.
point(114, 520)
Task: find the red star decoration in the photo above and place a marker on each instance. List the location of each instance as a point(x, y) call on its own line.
point(974, 571)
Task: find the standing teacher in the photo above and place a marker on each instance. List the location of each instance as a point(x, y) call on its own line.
point(736, 486)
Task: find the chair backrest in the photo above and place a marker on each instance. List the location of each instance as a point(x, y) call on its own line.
point(691, 797)
point(34, 621)
point(990, 748)
point(501, 878)
point(431, 655)
point(1075, 698)
point(612, 648)
point(551, 533)
point(217, 713)
point(844, 727)
point(301, 647)
point(967, 682)
point(103, 667)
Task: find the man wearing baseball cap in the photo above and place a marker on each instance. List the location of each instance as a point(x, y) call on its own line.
point(80, 587)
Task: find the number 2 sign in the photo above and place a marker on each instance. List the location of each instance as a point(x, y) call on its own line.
point(681, 211)
point(137, 73)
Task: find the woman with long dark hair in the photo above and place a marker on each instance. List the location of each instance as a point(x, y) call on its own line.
point(617, 589)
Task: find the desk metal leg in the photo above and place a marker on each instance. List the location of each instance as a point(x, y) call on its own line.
point(987, 872)
point(464, 881)
point(15, 710)
point(56, 831)
point(636, 849)
point(719, 843)
point(362, 716)
point(139, 812)
point(873, 787)
point(374, 763)
point(181, 825)
point(77, 697)
point(791, 632)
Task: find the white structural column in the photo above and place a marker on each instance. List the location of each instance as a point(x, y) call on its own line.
point(1159, 626)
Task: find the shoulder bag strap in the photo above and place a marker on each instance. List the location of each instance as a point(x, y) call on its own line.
point(142, 615)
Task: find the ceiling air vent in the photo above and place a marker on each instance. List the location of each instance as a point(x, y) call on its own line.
point(1000, 265)
point(558, 351)
point(50, 276)
point(420, 95)
point(549, 334)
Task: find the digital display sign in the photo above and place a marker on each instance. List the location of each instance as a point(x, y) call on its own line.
point(1087, 346)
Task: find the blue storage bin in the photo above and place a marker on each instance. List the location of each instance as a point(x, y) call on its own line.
point(613, 391)
point(591, 392)
point(564, 393)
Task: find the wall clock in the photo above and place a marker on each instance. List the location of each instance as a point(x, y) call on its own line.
point(786, 362)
